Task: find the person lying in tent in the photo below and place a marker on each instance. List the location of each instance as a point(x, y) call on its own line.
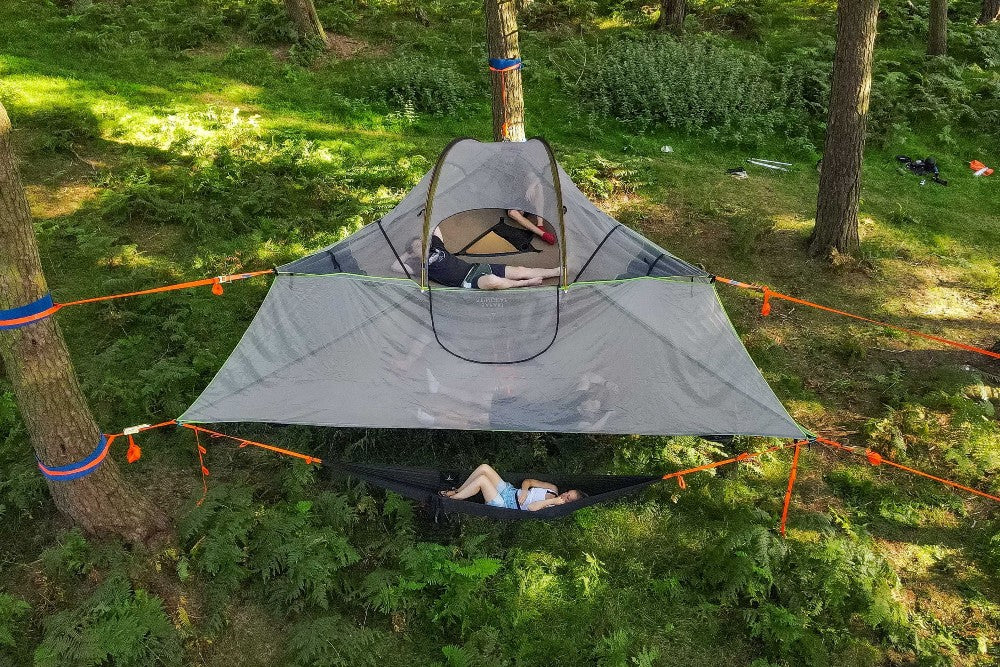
point(532, 496)
point(536, 227)
point(450, 271)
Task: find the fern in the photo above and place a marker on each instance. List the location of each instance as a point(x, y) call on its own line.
point(335, 641)
point(116, 625)
point(12, 611)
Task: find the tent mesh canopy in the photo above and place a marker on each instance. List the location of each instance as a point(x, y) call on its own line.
point(633, 340)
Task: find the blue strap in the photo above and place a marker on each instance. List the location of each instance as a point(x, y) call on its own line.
point(39, 306)
point(504, 63)
point(79, 469)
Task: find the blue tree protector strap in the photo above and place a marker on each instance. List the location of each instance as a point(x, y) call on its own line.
point(22, 316)
point(503, 64)
point(79, 469)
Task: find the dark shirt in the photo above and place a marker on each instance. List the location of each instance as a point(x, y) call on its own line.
point(443, 267)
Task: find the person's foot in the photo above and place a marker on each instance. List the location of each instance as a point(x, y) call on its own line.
point(549, 238)
point(446, 493)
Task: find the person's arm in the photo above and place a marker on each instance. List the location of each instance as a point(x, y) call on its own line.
point(534, 483)
point(397, 264)
point(542, 504)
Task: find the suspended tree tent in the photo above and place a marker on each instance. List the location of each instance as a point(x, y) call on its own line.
point(630, 339)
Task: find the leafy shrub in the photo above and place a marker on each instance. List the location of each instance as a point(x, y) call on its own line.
point(22, 489)
point(118, 625)
point(69, 557)
point(691, 86)
point(424, 87)
point(794, 597)
point(12, 612)
point(429, 571)
point(229, 175)
point(58, 126)
point(336, 641)
point(293, 551)
point(601, 178)
point(546, 14)
point(107, 25)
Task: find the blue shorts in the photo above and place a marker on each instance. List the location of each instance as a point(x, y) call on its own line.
point(506, 496)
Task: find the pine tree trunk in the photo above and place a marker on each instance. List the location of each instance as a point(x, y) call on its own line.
point(937, 40)
point(671, 16)
point(36, 361)
point(508, 96)
point(840, 180)
point(990, 13)
point(305, 19)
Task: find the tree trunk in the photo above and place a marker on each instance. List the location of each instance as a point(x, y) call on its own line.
point(937, 39)
point(508, 96)
point(840, 180)
point(990, 13)
point(305, 19)
point(36, 361)
point(671, 16)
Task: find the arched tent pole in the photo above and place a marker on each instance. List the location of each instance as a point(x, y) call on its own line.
point(431, 190)
point(564, 278)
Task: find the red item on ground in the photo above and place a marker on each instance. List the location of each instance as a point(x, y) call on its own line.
point(980, 169)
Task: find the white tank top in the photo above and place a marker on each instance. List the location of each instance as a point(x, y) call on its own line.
point(535, 494)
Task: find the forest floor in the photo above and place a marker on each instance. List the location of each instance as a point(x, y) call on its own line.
point(157, 150)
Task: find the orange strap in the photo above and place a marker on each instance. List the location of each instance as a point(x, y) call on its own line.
point(791, 483)
point(504, 129)
point(876, 459)
point(204, 471)
point(771, 294)
point(215, 282)
point(244, 442)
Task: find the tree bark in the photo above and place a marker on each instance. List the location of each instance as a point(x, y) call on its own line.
point(305, 19)
point(937, 39)
point(840, 180)
point(508, 95)
point(59, 423)
point(990, 12)
point(671, 16)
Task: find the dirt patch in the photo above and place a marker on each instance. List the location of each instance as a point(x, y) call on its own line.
point(57, 201)
point(345, 47)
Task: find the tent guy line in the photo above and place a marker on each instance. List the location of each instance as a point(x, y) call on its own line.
point(44, 307)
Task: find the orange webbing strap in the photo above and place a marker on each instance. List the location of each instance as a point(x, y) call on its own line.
point(134, 452)
point(244, 442)
point(791, 483)
point(215, 282)
point(876, 459)
point(502, 71)
point(739, 458)
point(204, 471)
point(771, 294)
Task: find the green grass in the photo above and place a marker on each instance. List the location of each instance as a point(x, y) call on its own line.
point(140, 172)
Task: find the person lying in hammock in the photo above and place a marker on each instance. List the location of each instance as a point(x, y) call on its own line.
point(446, 269)
point(532, 496)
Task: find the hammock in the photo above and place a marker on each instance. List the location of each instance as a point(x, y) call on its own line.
point(423, 484)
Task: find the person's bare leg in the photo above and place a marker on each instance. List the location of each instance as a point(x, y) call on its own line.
point(484, 470)
point(525, 273)
point(491, 282)
point(481, 485)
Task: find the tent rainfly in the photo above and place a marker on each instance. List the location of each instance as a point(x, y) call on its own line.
point(630, 339)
